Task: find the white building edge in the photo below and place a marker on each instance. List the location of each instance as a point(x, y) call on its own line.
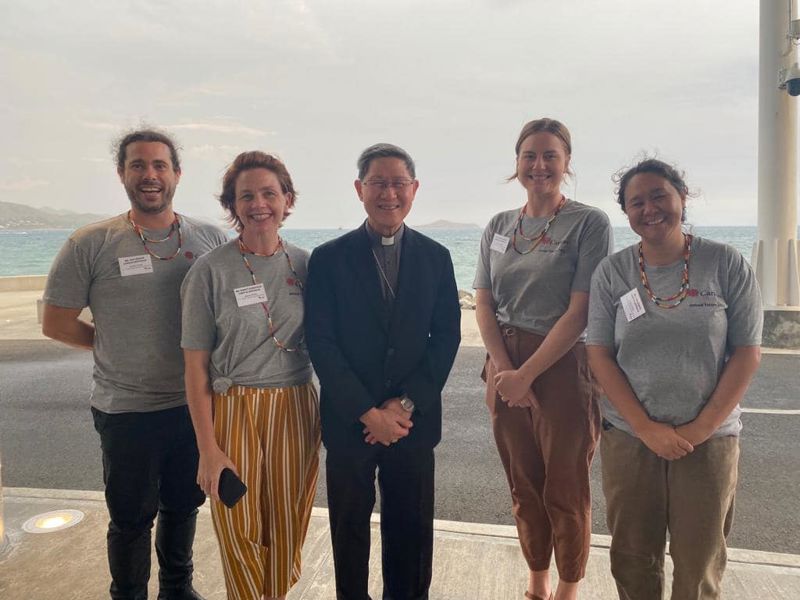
point(775, 253)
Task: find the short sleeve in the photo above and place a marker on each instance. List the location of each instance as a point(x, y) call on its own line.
point(198, 322)
point(483, 275)
point(299, 259)
point(596, 242)
point(745, 311)
point(602, 308)
point(70, 278)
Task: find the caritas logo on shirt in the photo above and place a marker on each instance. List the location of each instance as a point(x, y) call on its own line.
point(548, 244)
point(296, 285)
point(703, 297)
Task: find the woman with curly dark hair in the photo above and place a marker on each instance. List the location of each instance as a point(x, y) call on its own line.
point(674, 340)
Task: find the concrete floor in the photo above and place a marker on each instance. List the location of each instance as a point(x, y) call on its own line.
point(471, 561)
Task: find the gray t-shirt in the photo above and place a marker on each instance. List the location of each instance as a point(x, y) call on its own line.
point(532, 291)
point(242, 352)
point(673, 357)
point(138, 363)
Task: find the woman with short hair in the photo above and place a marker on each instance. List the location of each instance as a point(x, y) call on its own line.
point(248, 381)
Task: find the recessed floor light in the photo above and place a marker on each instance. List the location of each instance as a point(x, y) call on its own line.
point(55, 520)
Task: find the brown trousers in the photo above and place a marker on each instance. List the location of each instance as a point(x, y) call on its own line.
point(691, 497)
point(546, 453)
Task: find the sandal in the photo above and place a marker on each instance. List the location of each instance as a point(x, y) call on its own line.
point(531, 596)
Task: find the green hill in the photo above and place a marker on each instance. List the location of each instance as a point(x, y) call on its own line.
point(20, 216)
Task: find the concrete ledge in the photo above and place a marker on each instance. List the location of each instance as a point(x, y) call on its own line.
point(23, 283)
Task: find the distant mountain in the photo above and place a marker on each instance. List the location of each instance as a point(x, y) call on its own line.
point(20, 216)
point(442, 224)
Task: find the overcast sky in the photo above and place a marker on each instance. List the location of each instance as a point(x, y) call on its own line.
point(316, 81)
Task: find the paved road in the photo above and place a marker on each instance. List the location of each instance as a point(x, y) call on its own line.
point(47, 441)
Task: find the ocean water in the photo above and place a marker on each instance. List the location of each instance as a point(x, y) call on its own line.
point(31, 252)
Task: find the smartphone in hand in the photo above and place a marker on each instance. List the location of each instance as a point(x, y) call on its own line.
point(231, 488)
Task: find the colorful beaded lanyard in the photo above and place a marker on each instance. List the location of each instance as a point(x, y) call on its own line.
point(677, 298)
point(243, 250)
point(176, 226)
point(536, 240)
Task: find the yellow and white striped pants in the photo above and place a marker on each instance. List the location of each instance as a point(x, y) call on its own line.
point(272, 435)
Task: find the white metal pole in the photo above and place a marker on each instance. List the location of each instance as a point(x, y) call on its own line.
point(777, 161)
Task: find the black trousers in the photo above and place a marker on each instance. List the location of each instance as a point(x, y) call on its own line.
point(406, 483)
point(149, 468)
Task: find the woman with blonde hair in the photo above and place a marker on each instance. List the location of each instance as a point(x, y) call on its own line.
point(248, 382)
point(532, 292)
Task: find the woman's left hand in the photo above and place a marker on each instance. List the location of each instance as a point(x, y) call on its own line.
point(528, 401)
point(513, 387)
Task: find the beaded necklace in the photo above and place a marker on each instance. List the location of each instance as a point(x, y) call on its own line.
point(678, 297)
point(176, 226)
point(536, 240)
point(244, 250)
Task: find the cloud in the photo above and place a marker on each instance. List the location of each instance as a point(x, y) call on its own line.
point(229, 128)
point(205, 150)
point(100, 125)
point(18, 161)
point(316, 81)
point(22, 185)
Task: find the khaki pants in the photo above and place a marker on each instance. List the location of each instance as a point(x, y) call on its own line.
point(546, 453)
point(691, 498)
point(272, 435)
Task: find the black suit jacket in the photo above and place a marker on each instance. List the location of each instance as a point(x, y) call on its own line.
point(364, 354)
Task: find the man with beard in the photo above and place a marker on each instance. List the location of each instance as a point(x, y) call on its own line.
point(128, 270)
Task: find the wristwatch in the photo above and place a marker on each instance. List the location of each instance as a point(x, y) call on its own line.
point(407, 403)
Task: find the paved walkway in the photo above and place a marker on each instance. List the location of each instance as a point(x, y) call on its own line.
point(471, 561)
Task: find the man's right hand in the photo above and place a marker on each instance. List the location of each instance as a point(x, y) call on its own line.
point(385, 426)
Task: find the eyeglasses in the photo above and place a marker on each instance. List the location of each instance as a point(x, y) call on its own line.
point(397, 185)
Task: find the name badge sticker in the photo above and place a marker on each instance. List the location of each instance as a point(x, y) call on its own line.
point(135, 265)
point(632, 305)
point(251, 294)
point(499, 243)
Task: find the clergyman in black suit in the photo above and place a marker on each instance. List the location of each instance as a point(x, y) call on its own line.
point(382, 327)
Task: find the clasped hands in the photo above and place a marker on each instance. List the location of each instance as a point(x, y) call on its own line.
point(386, 424)
point(668, 442)
point(515, 389)
point(672, 443)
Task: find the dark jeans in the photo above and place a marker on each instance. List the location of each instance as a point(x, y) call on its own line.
point(149, 469)
point(406, 480)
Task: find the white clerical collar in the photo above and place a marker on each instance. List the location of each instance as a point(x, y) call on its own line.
point(389, 240)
